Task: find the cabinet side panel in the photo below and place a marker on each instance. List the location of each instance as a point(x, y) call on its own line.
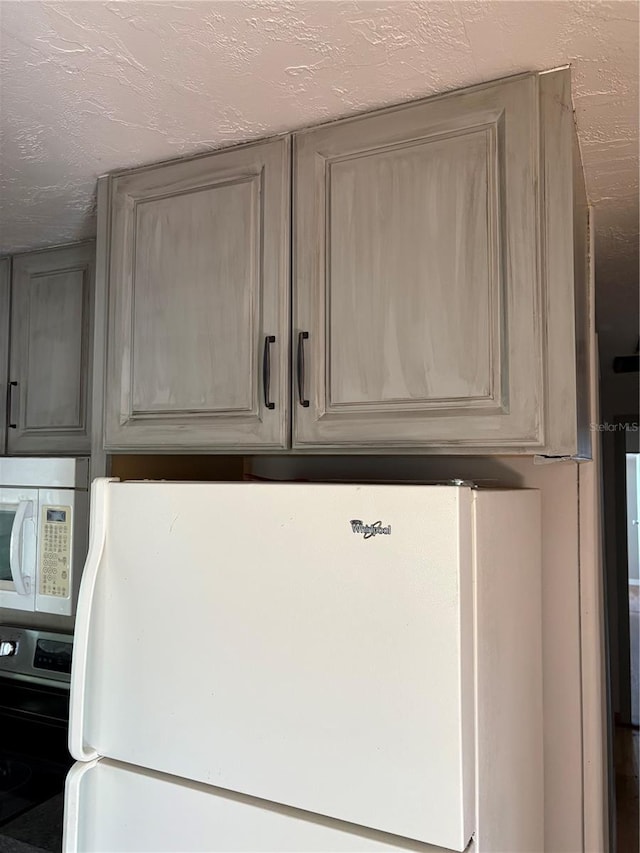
point(584, 270)
point(99, 459)
point(561, 281)
point(5, 269)
point(509, 738)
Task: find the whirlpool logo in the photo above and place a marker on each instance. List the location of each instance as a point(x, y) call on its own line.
point(368, 531)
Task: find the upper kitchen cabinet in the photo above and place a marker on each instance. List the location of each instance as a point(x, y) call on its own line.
point(439, 286)
point(50, 352)
point(198, 303)
point(5, 284)
point(435, 291)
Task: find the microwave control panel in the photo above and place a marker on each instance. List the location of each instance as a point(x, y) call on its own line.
point(55, 551)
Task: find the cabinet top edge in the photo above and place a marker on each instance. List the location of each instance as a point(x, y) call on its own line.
point(200, 155)
point(286, 136)
point(76, 244)
point(559, 69)
point(428, 99)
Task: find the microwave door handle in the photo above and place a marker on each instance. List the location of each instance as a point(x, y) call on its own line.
point(22, 583)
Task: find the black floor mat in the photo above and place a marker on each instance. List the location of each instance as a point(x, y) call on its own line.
point(12, 845)
point(40, 829)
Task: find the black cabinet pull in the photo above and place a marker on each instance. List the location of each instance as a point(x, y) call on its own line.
point(302, 337)
point(266, 370)
point(12, 385)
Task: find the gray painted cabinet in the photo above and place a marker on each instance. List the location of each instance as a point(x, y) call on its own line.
point(421, 305)
point(50, 353)
point(438, 284)
point(198, 305)
point(5, 284)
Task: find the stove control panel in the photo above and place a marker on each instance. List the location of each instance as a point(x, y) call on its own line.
point(53, 656)
point(38, 656)
point(8, 648)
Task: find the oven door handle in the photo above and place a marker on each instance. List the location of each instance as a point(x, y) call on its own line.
point(21, 581)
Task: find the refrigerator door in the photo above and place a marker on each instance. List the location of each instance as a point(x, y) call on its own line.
point(112, 808)
point(264, 639)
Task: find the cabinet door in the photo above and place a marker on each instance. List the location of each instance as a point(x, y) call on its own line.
point(50, 364)
point(416, 276)
point(198, 334)
point(5, 267)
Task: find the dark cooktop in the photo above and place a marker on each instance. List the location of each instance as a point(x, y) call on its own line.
point(34, 758)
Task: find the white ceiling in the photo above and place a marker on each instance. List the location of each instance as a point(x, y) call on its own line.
point(87, 87)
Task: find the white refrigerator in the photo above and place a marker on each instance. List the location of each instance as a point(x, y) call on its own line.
point(307, 667)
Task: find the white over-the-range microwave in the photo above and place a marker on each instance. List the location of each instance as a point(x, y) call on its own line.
point(44, 527)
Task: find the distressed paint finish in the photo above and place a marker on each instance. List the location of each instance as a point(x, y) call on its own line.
point(55, 354)
point(198, 278)
point(422, 299)
point(196, 291)
point(583, 268)
point(401, 307)
point(564, 271)
point(51, 345)
point(5, 285)
point(434, 276)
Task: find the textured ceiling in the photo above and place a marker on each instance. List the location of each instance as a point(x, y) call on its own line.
point(87, 87)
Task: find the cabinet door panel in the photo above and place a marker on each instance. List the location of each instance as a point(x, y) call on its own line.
point(55, 318)
point(52, 297)
point(391, 217)
point(198, 279)
point(5, 270)
point(417, 276)
point(175, 327)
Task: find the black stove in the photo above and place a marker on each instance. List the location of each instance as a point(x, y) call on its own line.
point(35, 670)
